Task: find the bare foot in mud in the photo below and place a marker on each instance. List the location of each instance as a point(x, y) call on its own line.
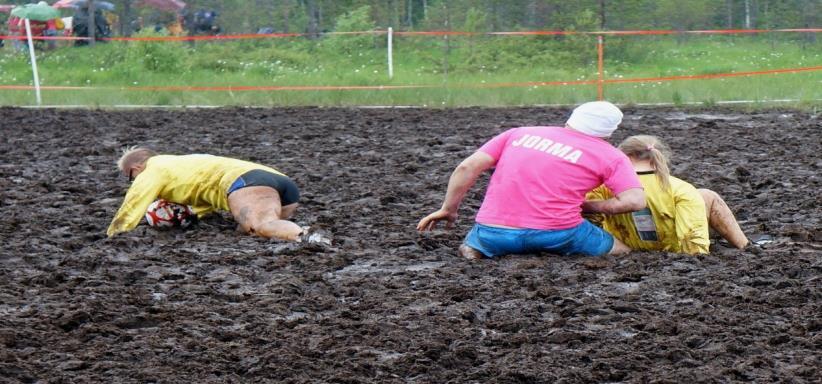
point(470, 253)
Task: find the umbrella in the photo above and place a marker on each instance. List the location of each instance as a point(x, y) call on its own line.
point(41, 11)
point(104, 5)
point(38, 12)
point(6, 8)
point(168, 5)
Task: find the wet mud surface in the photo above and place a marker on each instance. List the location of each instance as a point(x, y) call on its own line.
point(386, 304)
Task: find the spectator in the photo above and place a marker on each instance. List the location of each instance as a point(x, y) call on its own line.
point(202, 22)
point(53, 28)
point(17, 30)
point(81, 25)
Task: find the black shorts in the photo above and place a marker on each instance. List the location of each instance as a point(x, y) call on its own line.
point(289, 193)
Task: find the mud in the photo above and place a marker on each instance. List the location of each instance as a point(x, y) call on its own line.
point(386, 304)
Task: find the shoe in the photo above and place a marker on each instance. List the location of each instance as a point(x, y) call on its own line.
point(761, 239)
point(284, 248)
point(314, 236)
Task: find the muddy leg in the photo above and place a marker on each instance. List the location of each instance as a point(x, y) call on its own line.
point(258, 211)
point(288, 211)
point(721, 219)
point(619, 248)
point(470, 253)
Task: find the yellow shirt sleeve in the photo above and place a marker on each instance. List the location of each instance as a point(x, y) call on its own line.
point(143, 191)
point(691, 222)
point(600, 193)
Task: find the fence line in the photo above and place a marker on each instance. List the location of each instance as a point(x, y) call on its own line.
point(426, 33)
point(419, 86)
point(205, 106)
point(600, 81)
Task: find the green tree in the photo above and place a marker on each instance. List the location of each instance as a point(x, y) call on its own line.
point(356, 20)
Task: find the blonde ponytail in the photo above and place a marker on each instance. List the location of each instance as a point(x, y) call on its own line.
point(646, 147)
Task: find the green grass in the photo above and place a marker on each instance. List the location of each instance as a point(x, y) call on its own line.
point(117, 67)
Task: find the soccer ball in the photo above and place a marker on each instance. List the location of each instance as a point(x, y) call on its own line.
point(165, 214)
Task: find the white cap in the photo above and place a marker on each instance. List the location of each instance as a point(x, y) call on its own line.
point(596, 118)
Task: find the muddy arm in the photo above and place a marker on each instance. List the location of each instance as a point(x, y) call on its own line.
point(462, 179)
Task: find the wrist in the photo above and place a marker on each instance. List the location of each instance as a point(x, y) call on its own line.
point(592, 206)
point(449, 209)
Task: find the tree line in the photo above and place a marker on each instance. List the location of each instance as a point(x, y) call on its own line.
point(316, 16)
point(309, 16)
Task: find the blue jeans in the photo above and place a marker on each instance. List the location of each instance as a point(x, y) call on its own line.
point(584, 239)
point(50, 43)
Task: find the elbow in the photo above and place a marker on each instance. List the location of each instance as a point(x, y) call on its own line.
point(462, 168)
point(639, 204)
point(467, 171)
point(636, 201)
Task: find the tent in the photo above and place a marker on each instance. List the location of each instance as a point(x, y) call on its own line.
point(166, 5)
point(104, 5)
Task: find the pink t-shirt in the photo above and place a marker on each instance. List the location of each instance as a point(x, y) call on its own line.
point(543, 173)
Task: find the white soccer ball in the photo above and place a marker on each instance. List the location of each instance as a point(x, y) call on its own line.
point(165, 214)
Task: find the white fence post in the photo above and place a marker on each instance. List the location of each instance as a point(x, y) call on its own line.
point(33, 63)
point(390, 53)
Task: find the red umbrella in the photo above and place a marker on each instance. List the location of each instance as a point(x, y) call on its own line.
point(167, 5)
point(63, 4)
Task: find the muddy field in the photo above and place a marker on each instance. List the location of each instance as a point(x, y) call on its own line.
point(386, 304)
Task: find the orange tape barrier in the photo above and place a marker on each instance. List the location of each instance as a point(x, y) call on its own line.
point(715, 76)
point(425, 33)
point(218, 37)
point(391, 87)
point(190, 38)
point(275, 88)
point(43, 38)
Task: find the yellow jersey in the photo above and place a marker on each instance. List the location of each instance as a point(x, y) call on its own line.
point(674, 220)
point(200, 181)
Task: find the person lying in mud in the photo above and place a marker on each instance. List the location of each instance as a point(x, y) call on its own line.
point(542, 175)
point(260, 198)
point(678, 215)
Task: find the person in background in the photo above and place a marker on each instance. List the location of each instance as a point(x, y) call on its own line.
point(137, 24)
point(260, 198)
point(14, 30)
point(175, 28)
point(535, 194)
point(81, 25)
point(53, 28)
point(678, 215)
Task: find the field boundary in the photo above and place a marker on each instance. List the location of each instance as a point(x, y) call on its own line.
point(245, 36)
point(600, 82)
point(249, 88)
point(137, 106)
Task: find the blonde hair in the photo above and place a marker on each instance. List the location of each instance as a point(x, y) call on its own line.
point(133, 156)
point(646, 147)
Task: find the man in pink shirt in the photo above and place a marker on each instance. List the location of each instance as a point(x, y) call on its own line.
point(537, 193)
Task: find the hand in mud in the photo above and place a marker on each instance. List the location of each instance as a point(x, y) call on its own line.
point(187, 221)
point(184, 218)
point(430, 222)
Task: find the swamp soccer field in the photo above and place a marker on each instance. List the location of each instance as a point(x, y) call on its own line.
point(387, 304)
